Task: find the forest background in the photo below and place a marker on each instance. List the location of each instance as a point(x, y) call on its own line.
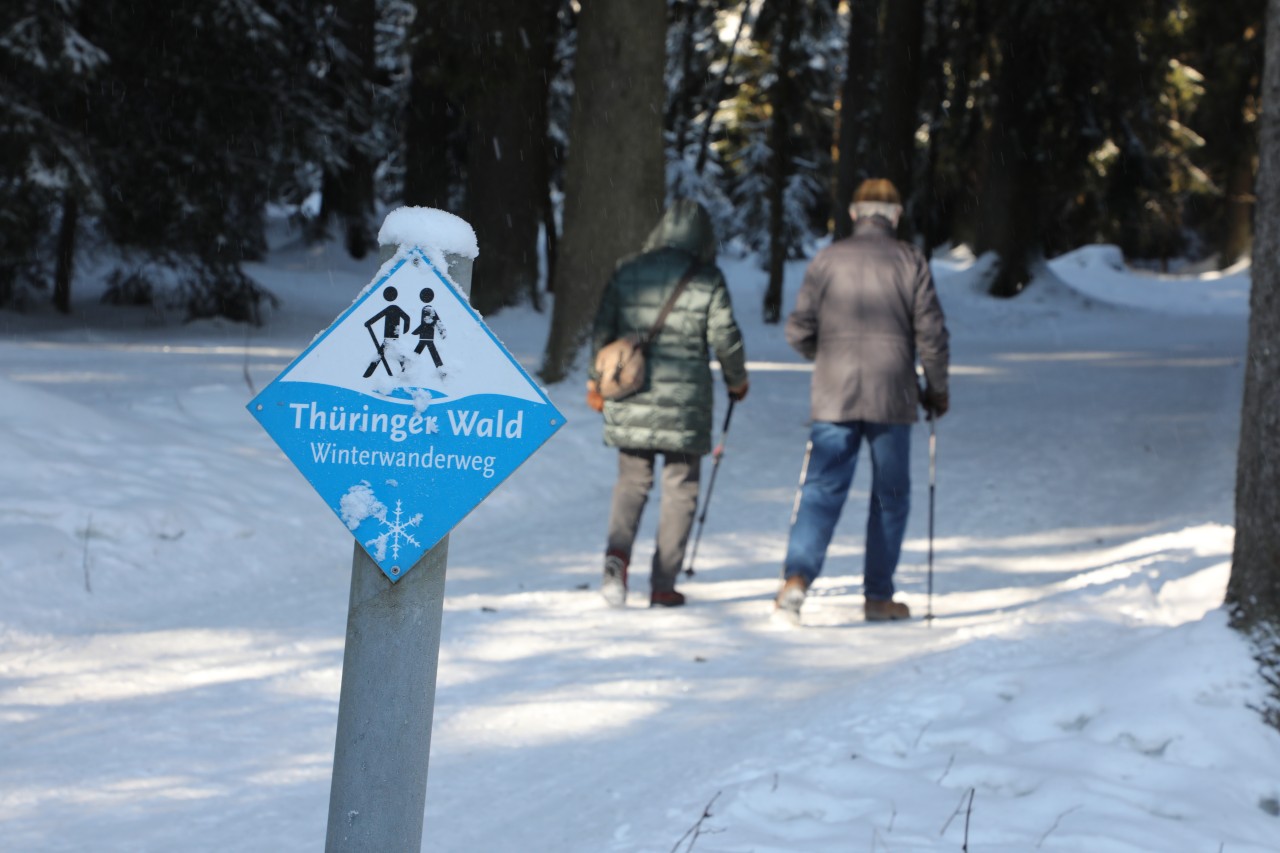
point(147, 143)
point(1023, 127)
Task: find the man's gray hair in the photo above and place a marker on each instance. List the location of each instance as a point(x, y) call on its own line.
point(867, 209)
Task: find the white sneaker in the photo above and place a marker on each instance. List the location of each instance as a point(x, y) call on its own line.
point(613, 586)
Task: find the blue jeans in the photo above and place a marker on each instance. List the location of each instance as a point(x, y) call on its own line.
point(832, 460)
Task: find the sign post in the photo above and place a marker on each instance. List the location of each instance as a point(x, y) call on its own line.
point(378, 792)
point(404, 415)
point(379, 788)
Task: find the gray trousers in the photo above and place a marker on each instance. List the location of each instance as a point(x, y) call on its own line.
point(681, 473)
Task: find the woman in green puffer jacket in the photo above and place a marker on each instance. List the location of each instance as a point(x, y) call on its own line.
point(671, 414)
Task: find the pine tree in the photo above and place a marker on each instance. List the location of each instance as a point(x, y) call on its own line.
point(47, 176)
point(505, 86)
point(699, 65)
point(1064, 76)
point(1225, 45)
point(559, 115)
point(347, 187)
point(785, 107)
point(203, 110)
point(901, 49)
point(434, 141)
point(858, 105)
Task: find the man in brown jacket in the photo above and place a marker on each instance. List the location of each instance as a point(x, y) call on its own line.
point(866, 310)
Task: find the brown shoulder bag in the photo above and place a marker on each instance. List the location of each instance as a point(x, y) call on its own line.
point(621, 364)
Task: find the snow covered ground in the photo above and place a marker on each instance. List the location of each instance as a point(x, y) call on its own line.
point(174, 602)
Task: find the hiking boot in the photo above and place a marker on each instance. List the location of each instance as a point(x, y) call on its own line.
point(613, 586)
point(791, 598)
point(666, 598)
point(885, 611)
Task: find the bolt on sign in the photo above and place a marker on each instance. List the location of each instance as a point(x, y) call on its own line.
point(406, 412)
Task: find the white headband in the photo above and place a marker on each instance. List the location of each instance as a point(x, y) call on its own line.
point(887, 209)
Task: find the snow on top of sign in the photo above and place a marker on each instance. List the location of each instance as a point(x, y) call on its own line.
point(428, 229)
point(437, 233)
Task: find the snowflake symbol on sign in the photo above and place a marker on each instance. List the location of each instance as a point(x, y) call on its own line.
point(397, 530)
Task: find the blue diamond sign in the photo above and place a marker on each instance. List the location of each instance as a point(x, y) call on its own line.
point(406, 412)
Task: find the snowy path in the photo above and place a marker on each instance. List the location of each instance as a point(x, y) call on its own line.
point(1084, 503)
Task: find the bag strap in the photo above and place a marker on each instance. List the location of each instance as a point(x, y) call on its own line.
point(668, 305)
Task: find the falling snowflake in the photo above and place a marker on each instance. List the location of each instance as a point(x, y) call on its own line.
point(396, 531)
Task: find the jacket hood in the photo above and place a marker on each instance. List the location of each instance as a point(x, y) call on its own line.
point(685, 225)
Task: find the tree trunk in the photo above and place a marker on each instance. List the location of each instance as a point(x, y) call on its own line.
point(783, 101)
point(959, 220)
point(347, 190)
point(857, 116)
point(432, 120)
point(614, 179)
point(1007, 207)
point(900, 58)
point(1253, 591)
point(1227, 118)
point(928, 208)
point(66, 258)
point(550, 241)
point(1238, 219)
point(507, 157)
point(430, 165)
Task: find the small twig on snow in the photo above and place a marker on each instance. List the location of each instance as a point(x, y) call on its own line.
point(950, 762)
point(959, 806)
point(694, 831)
point(1057, 821)
point(88, 531)
point(248, 380)
point(967, 813)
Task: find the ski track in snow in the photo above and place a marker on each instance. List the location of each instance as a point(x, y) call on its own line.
point(1078, 690)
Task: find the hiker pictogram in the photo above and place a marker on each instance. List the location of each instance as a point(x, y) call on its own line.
point(392, 317)
point(428, 327)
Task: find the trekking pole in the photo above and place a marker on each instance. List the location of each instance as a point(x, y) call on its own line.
point(933, 481)
point(382, 356)
point(795, 505)
point(717, 455)
point(804, 473)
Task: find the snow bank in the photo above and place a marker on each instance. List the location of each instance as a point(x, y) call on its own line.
point(1100, 272)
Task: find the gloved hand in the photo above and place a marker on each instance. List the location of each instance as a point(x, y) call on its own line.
point(594, 400)
point(739, 392)
point(935, 403)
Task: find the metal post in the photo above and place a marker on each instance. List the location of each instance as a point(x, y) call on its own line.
point(379, 789)
point(933, 483)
